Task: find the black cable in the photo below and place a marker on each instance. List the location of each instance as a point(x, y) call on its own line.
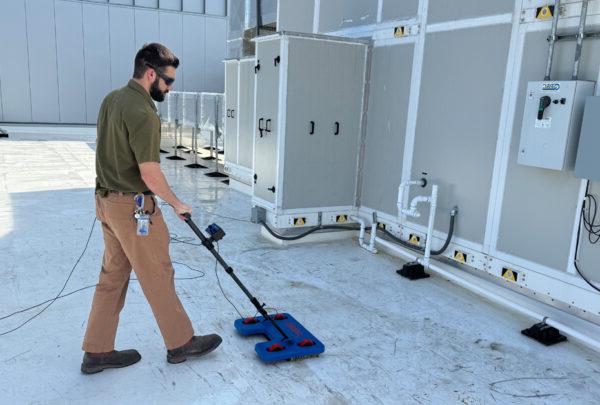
point(589, 221)
point(308, 232)
point(579, 236)
point(60, 294)
point(221, 287)
point(61, 290)
point(438, 252)
point(94, 285)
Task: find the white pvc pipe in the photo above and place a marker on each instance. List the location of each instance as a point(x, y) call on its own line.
point(432, 208)
point(403, 185)
point(361, 235)
point(491, 296)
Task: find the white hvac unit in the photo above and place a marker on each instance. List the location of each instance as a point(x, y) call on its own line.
point(310, 94)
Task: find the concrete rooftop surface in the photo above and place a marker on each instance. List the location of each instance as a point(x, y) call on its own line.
point(388, 340)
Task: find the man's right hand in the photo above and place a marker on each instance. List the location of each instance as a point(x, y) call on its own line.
point(181, 209)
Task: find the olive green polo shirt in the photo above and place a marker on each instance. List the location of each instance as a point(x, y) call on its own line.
point(128, 134)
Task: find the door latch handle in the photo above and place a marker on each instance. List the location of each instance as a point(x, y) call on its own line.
point(337, 128)
point(260, 128)
point(312, 128)
point(271, 189)
point(268, 125)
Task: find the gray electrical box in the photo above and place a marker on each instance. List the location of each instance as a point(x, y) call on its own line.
point(308, 122)
point(552, 122)
point(587, 165)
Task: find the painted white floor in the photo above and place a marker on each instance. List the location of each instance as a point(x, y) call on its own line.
point(388, 340)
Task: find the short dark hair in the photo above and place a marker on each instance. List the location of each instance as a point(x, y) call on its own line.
point(156, 55)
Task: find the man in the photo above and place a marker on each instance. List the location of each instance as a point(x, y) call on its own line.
point(135, 234)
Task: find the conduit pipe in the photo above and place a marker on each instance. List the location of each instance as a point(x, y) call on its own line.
point(580, 36)
point(495, 298)
point(361, 235)
point(552, 39)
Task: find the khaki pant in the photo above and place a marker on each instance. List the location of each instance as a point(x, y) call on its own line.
point(149, 257)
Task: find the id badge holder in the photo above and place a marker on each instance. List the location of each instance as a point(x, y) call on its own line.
point(142, 218)
point(143, 224)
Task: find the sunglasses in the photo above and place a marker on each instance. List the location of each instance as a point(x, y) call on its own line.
point(168, 80)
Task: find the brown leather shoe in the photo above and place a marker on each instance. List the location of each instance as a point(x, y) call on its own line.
point(196, 347)
point(94, 363)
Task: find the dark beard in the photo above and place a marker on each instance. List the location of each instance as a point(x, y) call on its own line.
point(155, 92)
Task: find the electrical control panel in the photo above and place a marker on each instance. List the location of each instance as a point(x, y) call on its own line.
point(551, 123)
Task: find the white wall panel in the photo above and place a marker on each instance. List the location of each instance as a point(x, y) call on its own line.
point(147, 3)
point(122, 45)
point(170, 5)
point(216, 7)
point(70, 54)
point(66, 55)
point(193, 6)
point(215, 53)
point(171, 36)
point(146, 27)
point(42, 61)
point(192, 58)
point(97, 58)
point(15, 68)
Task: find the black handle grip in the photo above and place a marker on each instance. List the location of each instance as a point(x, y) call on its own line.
point(544, 103)
point(272, 189)
point(187, 216)
point(268, 125)
point(260, 128)
point(337, 128)
point(312, 128)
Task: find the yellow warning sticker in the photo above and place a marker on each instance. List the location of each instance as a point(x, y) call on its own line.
point(414, 239)
point(299, 221)
point(510, 274)
point(341, 219)
point(399, 32)
point(460, 256)
point(544, 13)
point(381, 225)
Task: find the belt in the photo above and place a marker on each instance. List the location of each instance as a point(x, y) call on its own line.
point(129, 192)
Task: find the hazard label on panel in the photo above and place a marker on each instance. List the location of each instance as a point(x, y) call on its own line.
point(544, 13)
point(414, 239)
point(510, 274)
point(341, 219)
point(299, 221)
point(381, 225)
point(460, 256)
point(399, 32)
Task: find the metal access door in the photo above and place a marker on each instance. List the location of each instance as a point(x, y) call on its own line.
point(268, 65)
point(231, 106)
point(324, 107)
point(246, 114)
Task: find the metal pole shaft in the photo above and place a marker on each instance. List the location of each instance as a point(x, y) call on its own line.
point(175, 135)
point(209, 245)
point(216, 135)
point(580, 36)
point(552, 39)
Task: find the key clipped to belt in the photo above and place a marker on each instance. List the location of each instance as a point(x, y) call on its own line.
point(141, 216)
